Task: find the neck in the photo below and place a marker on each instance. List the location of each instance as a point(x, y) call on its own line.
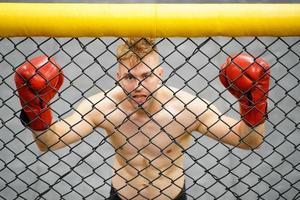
point(142, 112)
point(153, 107)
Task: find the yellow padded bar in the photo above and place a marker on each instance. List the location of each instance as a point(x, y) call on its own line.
point(155, 20)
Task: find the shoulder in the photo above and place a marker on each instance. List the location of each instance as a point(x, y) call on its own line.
point(107, 99)
point(182, 98)
point(104, 101)
point(98, 106)
point(179, 95)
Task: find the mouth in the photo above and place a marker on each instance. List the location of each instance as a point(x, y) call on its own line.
point(139, 99)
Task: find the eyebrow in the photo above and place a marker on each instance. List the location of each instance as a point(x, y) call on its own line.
point(143, 74)
point(147, 73)
point(127, 74)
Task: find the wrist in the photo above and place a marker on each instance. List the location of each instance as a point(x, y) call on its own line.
point(254, 115)
point(36, 119)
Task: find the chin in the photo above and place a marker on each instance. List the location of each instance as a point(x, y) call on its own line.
point(144, 105)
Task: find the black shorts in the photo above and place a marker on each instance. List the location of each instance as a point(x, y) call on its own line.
point(114, 194)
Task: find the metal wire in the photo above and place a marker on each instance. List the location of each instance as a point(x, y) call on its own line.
point(212, 170)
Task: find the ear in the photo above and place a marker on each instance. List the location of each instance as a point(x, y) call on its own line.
point(118, 76)
point(161, 72)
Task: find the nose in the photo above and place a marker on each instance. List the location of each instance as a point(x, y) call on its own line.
point(138, 85)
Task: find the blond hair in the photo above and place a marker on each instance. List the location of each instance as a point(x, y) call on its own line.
point(136, 48)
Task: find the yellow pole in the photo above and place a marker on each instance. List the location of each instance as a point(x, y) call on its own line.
point(155, 20)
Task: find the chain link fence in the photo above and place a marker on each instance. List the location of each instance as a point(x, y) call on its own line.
point(212, 170)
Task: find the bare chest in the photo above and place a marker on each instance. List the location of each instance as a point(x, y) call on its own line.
point(162, 133)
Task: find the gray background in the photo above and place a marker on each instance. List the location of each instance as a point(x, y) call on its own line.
point(271, 172)
point(163, 1)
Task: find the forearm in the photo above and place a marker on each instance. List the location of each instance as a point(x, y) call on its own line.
point(64, 132)
point(44, 140)
point(52, 137)
point(58, 135)
point(250, 137)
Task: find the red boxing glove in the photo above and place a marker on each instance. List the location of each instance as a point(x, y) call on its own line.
point(248, 79)
point(37, 81)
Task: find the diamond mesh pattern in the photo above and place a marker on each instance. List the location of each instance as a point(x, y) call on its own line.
point(212, 170)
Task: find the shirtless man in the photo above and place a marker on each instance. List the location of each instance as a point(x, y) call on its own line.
point(148, 124)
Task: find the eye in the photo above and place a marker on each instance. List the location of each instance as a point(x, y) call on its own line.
point(148, 75)
point(129, 77)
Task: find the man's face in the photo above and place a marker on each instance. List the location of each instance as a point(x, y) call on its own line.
point(140, 79)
